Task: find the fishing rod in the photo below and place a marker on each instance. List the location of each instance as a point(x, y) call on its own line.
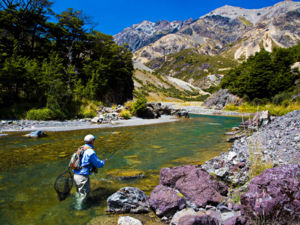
point(113, 154)
point(108, 158)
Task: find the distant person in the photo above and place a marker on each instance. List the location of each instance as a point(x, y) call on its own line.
point(89, 163)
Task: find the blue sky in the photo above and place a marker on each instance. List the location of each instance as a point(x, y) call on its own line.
point(112, 16)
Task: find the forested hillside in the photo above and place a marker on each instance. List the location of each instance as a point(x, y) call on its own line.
point(55, 62)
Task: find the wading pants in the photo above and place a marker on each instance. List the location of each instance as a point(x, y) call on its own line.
point(82, 183)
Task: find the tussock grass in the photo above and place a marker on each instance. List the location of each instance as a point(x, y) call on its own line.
point(257, 161)
point(275, 110)
point(125, 114)
point(88, 108)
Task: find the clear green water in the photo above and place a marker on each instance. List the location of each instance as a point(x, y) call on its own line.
point(29, 167)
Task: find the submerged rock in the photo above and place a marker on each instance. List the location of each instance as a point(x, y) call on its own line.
point(122, 174)
point(128, 200)
point(36, 134)
point(274, 195)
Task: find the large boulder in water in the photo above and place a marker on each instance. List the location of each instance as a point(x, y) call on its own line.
point(128, 200)
point(201, 189)
point(166, 201)
point(274, 195)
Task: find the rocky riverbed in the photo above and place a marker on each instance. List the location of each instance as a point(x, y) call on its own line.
point(206, 194)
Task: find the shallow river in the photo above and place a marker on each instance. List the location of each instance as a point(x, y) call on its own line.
point(29, 167)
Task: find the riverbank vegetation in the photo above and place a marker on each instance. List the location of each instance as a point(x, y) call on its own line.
point(55, 69)
point(267, 81)
point(275, 110)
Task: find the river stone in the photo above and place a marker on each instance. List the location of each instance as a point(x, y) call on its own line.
point(222, 172)
point(231, 155)
point(198, 220)
point(165, 201)
point(128, 220)
point(169, 176)
point(182, 213)
point(201, 189)
point(96, 120)
point(128, 200)
point(36, 134)
point(275, 194)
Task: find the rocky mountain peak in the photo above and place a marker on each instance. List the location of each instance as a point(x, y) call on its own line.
point(146, 32)
point(254, 15)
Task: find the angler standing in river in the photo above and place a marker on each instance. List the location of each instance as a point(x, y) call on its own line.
point(89, 164)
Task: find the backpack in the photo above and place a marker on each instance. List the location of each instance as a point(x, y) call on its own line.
point(75, 162)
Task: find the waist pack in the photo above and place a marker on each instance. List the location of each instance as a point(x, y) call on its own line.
point(75, 162)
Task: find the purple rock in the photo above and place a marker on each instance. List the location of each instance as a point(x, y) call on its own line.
point(165, 201)
point(275, 194)
point(231, 221)
point(198, 220)
point(169, 176)
point(201, 188)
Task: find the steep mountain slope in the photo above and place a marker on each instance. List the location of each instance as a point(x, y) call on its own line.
point(158, 88)
point(147, 32)
point(187, 58)
point(208, 35)
point(243, 31)
point(282, 31)
point(199, 70)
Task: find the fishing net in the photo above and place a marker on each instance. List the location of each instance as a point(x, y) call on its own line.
point(63, 185)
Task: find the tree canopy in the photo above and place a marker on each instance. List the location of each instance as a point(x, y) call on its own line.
point(264, 75)
point(54, 64)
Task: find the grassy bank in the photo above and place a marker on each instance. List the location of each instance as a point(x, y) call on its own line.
point(275, 110)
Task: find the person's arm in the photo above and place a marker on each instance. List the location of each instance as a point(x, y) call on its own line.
point(96, 162)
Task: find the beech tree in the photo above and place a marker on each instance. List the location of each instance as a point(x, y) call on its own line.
point(55, 65)
point(263, 75)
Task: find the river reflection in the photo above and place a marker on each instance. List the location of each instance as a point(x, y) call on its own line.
point(28, 167)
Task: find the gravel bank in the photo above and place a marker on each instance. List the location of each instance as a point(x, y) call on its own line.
point(277, 143)
point(32, 125)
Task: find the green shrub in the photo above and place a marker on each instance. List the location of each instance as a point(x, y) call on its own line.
point(125, 114)
point(212, 89)
point(279, 98)
point(129, 105)
point(40, 114)
point(139, 106)
point(88, 108)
